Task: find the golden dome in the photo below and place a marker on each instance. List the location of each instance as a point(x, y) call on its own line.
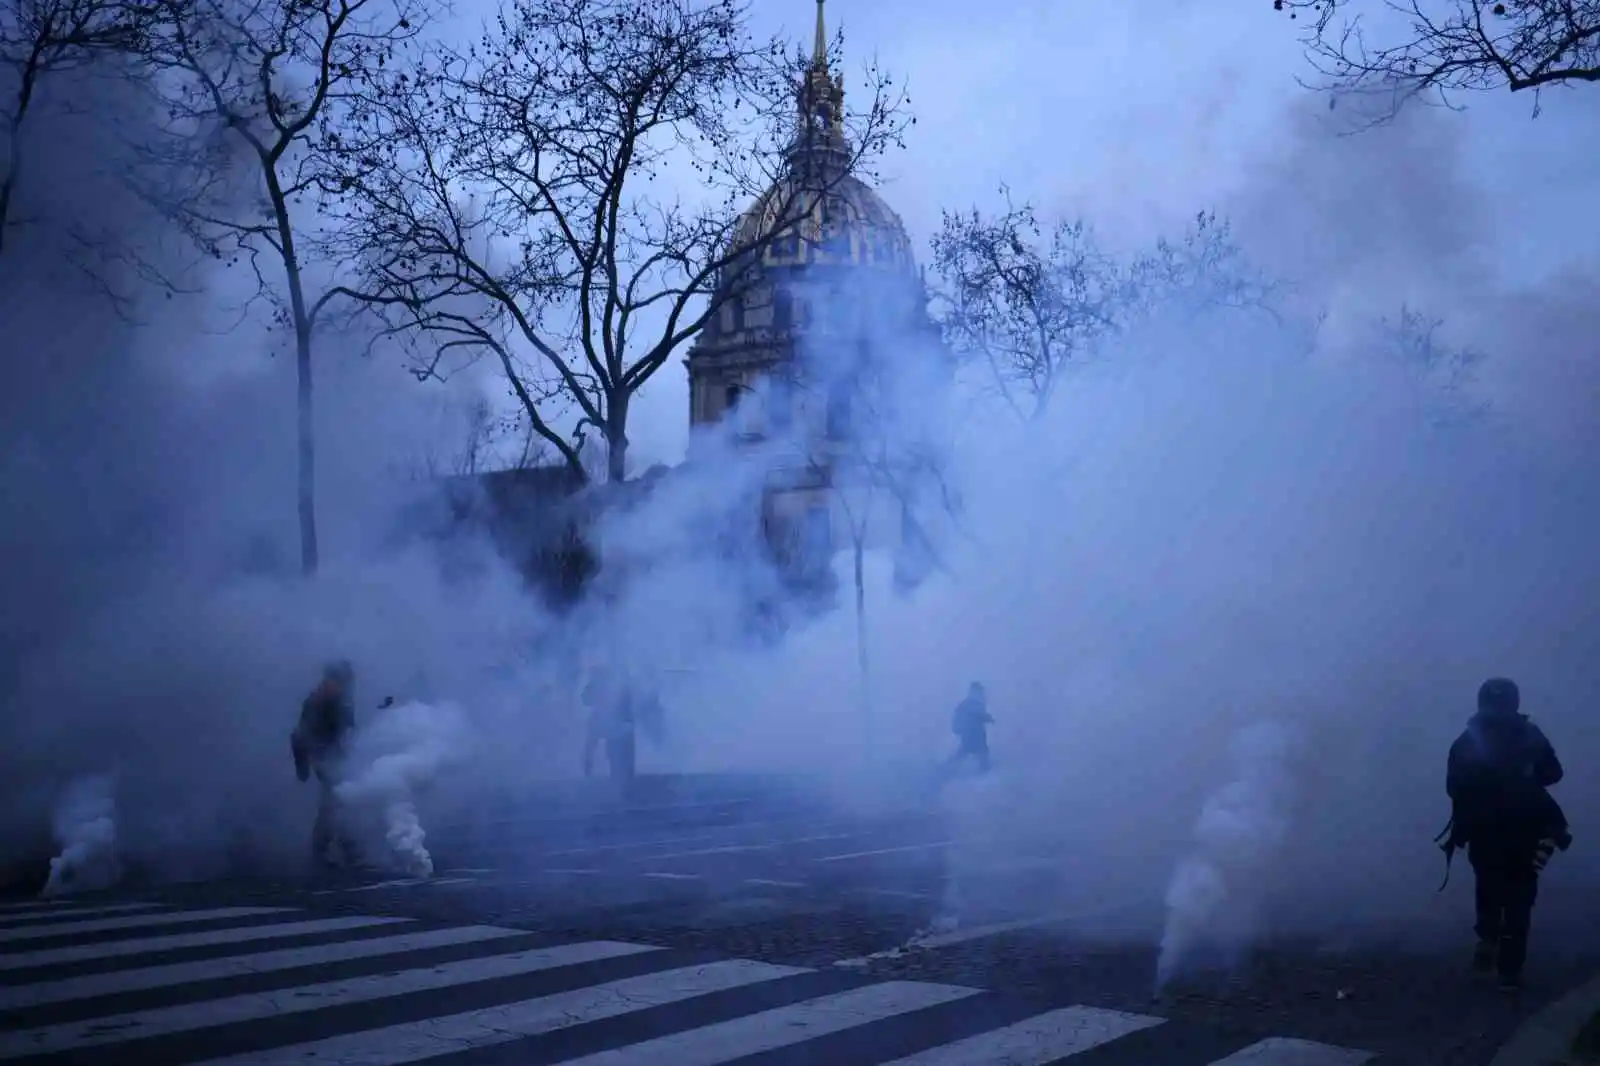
point(846, 224)
point(820, 213)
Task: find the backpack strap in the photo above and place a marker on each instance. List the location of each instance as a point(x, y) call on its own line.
point(1447, 844)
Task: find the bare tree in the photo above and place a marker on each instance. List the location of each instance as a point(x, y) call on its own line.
point(1443, 373)
point(261, 86)
point(40, 39)
point(1451, 46)
point(490, 440)
point(1028, 300)
point(875, 484)
point(519, 206)
point(499, 440)
point(881, 459)
point(480, 434)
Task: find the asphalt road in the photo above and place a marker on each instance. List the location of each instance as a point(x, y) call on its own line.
point(707, 922)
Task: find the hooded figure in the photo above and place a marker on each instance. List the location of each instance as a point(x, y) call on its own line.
point(970, 723)
point(321, 744)
point(1498, 776)
point(610, 702)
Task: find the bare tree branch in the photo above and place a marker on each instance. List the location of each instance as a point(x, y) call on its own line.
point(40, 39)
point(517, 186)
point(249, 93)
point(1027, 301)
point(1451, 46)
point(1445, 374)
point(876, 452)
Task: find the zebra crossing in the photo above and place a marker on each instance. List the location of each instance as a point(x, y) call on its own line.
point(117, 983)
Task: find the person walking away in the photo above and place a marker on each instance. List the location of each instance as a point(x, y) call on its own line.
point(970, 723)
point(321, 745)
point(1498, 775)
point(596, 725)
point(611, 723)
point(621, 743)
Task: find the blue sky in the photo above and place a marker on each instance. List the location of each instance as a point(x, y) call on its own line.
point(1137, 115)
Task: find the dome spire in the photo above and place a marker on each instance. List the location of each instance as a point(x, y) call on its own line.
point(820, 95)
point(819, 48)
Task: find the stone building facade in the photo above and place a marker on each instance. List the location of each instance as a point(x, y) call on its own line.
point(788, 374)
point(830, 297)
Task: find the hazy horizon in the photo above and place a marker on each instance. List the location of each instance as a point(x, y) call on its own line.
point(1227, 519)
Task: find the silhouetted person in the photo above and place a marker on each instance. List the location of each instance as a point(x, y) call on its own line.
point(1499, 771)
point(970, 723)
point(611, 722)
point(321, 745)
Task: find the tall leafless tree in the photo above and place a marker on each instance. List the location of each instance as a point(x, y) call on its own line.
point(525, 199)
point(490, 440)
point(1443, 47)
point(40, 39)
point(1444, 374)
point(250, 92)
point(1028, 300)
point(879, 452)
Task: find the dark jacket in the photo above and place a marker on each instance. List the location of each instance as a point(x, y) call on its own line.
point(971, 721)
point(327, 720)
point(1498, 775)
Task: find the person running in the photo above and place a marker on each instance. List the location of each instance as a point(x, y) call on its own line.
point(970, 723)
point(321, 745)
point(1499, 772)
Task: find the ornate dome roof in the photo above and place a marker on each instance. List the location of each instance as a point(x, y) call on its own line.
point(820, 212)
point(840, 221)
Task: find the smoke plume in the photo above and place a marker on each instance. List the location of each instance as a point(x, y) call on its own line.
point(394, 761)
point(1216, 892)
point(1230, 538)
point(86, 832)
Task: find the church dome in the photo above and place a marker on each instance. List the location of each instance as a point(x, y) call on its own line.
point(842, 223)
point(818, 234)
point(818, 213)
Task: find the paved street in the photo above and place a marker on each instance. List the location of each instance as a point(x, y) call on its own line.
point(726, 841)
point(721, 855)
point(711, 921)
point(262, 986)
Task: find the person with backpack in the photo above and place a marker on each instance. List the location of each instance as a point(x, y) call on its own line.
point(320, 744)
point(970, 723)
point(1498, 776)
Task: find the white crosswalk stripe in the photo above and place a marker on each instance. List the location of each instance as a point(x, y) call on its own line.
point(274, 987)
point(183, 941)
point(308, 997)
point(22, 906)
point(1035, 1041)
point(112, 925)
point(182, 973)
point(1280, 1051)
point(20, 918)
point(772, 1029)
point(415, 1041)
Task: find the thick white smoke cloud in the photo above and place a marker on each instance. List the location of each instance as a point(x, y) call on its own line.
point(1216, 892)
point(1217, 524)
point(394, 761)
point(85, 827)
point(1222, 520)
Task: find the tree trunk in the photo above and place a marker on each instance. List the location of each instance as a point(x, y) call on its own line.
point(300, 316)
point(13, 173)
point(861, 635)
point(307, 473)
point(617, 438)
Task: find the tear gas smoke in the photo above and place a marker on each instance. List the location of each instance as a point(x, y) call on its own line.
point(86, 832)
point(1217, 890)
point(1216, 520)
point(394, 760)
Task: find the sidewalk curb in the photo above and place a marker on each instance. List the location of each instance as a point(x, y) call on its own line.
point(1546, 1038)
